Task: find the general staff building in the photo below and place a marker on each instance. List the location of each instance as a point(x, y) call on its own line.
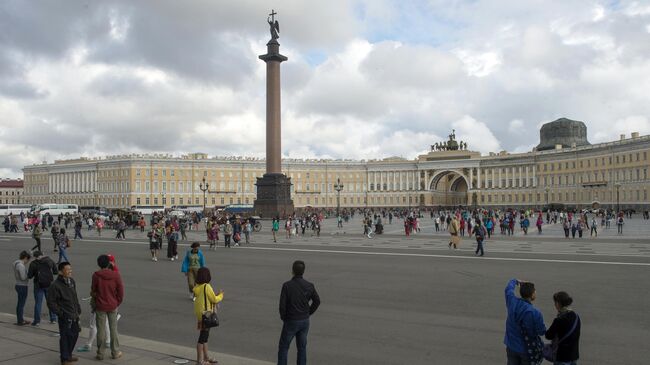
point(563, 170)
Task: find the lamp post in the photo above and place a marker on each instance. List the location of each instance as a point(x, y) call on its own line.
point(546, 190)
point(618, 202)
point(204, 187)
point(338, 187)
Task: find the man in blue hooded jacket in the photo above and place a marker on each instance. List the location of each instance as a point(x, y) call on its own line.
point(522, 315)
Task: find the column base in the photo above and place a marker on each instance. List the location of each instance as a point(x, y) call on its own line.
point(273, 196)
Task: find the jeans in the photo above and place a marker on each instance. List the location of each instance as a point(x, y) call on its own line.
point(39, 294)
point(77, 233)
point(20, 306)
point(479, 247)
point(100, 320)
point(62, 255)
point(69, 332)
point(515, 358)
point(291, 329)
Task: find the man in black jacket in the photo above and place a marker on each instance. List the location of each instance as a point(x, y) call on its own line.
point(43, 270)
point(62, 299)
point(294, 312)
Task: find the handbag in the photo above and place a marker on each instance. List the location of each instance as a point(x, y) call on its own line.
point(550, 349)
point(534, 347)
point(209, 319)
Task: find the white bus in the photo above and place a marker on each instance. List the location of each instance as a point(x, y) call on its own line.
point(14, 209)
point(147, 209)
point(57, 209)
point(188, 208)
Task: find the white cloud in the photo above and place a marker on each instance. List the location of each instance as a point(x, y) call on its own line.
point(477, 135)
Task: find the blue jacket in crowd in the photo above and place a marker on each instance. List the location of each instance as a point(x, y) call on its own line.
point(520, 313)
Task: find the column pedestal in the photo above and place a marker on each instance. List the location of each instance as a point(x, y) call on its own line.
point(273, 196)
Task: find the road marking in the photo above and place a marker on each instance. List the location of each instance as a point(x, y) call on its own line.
point(146, 243)
point(448, 256)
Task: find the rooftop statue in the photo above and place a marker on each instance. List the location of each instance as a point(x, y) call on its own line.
point(274, 24)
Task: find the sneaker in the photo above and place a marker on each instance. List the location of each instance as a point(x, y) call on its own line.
point(119, 316)
point(84, 348)
point(23, 323)
point(52, 322)
point(155, 259)
point(35, 324)
point(117, 356)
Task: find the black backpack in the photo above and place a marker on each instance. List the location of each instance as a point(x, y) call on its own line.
point(45, 277)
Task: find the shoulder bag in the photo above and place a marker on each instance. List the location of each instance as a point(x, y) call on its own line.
point(550, 349)
point(209, 318)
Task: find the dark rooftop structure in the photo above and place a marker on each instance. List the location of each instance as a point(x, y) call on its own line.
point(564, 132)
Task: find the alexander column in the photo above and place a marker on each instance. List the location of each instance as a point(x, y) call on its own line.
point(274, 188)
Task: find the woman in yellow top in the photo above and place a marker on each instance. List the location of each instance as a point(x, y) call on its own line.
point(206, 299)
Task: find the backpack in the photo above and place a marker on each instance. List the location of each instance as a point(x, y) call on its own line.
point(45, 277)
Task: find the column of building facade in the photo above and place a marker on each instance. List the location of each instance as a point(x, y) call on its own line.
point(374, 180)
point(426, 180)
point(471, 178)
point(395, 180)
point(494, 181)
point(478, 177)
point(527, 178)
point(507, 181)
point(500, 179)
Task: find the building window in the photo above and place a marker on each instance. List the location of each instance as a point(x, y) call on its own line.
point(146, 201)
point(137, 172)
point(155, 201)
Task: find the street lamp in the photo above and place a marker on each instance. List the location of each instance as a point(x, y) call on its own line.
point(338, 187)
point(618, 203)
point(204, 187)
point(546, 198)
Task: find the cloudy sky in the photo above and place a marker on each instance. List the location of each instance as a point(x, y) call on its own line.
point(365, 78)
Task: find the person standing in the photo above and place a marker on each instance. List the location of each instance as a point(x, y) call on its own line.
point(55, 235)
point(42, 269)
point(64, 243)
point(565, 330)
point(62, 299)
point(207, 300)
point(479, 233)
point(524, 320)
point(454, 229)
point(295, 310)
point(594, 229)
point(192, 262)
point(154, 246)
point(22, 283)
point(227, 233)
point(172, 246)
point(275, 227)
point(107, 291)
point(77, 228)
point(619, 223)
point(36, 235)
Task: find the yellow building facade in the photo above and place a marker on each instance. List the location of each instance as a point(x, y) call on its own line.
point(599, 175)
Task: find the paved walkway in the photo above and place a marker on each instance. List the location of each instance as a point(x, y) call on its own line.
point(40, 345)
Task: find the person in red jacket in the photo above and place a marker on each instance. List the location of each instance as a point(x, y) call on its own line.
point(107, 292)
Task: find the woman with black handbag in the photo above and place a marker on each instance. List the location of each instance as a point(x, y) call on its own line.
point(564, 332)
point(205, 309)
